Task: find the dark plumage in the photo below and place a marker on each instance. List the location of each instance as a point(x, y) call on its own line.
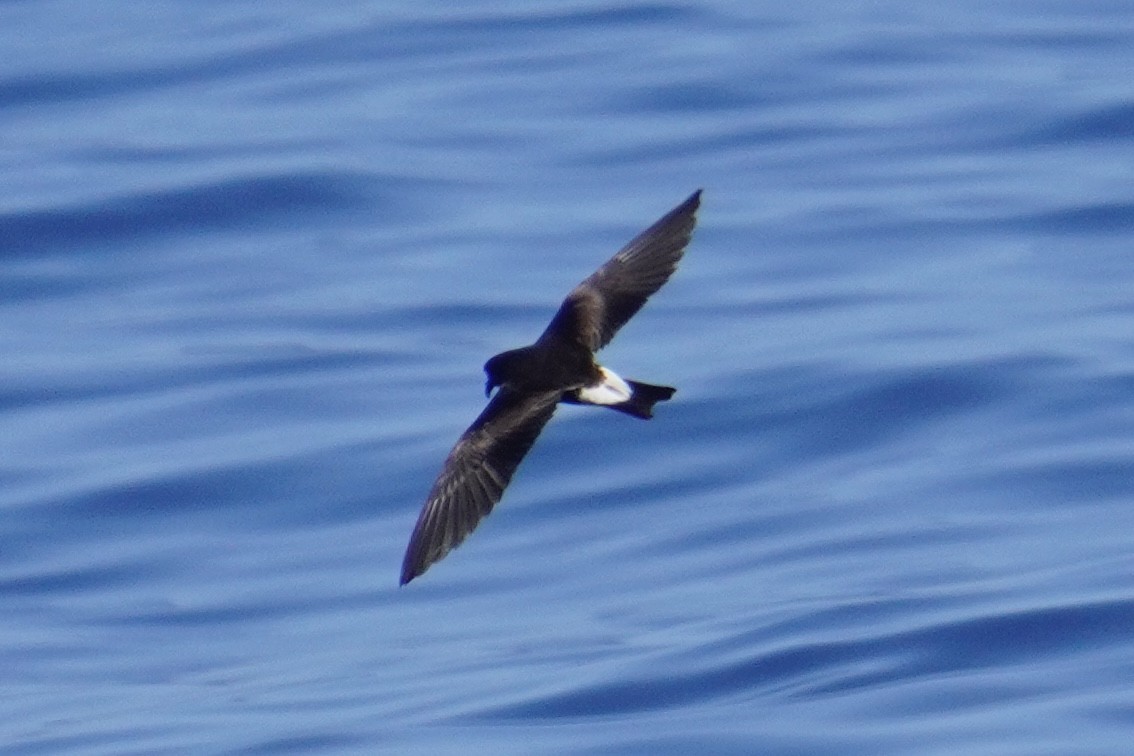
point(559, 367)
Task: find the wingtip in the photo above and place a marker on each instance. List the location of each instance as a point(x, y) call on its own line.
point(410, 570)
point(688, 206)
point(411, 566)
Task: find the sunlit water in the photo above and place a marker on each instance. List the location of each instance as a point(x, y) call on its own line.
point(254, 255)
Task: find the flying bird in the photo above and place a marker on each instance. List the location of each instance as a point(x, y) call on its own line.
point(558, 367)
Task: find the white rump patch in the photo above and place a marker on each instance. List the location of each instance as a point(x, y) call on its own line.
point(612, 390)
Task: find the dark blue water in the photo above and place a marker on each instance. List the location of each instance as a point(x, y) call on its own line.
point(252, 257)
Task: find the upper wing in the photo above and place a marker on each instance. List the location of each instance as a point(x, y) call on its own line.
point(475, 474)
point(595, 309)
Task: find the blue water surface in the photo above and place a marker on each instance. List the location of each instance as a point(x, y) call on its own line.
point(253, 256)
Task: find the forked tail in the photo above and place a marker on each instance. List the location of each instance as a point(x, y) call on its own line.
point(642, 400)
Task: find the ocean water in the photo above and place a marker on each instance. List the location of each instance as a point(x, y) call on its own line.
point(253, 256)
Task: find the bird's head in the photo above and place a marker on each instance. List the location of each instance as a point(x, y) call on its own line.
point(492, 370)
point(498, 370)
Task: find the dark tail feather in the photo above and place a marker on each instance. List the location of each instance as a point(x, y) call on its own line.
point(642, 401)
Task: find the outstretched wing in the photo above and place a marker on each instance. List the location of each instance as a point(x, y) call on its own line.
point(475, 475)
point(595, 309)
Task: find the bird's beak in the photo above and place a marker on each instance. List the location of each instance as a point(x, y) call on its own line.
point(488, 386)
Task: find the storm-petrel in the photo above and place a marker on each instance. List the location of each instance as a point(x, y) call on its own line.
point(559, 367)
